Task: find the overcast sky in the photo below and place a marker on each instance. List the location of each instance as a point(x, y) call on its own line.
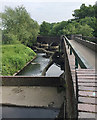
point(47, 10)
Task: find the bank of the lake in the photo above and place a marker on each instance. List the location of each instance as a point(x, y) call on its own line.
point(15, 57)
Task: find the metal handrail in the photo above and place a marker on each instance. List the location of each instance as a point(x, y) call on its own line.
point(83, 63)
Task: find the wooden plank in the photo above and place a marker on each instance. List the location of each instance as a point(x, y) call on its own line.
point(88, 74)
point(88, 100)
point(86, 81)
point(88, 84)
point(87, 88)
point(87, 77)
point(82, 73)
point(87, 107)
point(86, 115)
point(85, 93)
point(86, 70)
point(95, 86)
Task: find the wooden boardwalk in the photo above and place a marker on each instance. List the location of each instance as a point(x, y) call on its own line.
point(87, 92)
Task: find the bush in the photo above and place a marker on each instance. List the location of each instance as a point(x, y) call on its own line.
point(14, 57)
point(85, 30)
point(9, 38)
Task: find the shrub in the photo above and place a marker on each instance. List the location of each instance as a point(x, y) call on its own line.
point(14, 57)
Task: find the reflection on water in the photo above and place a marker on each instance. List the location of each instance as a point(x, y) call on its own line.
point(54, 70)
point(36, 67)
point(23, 112)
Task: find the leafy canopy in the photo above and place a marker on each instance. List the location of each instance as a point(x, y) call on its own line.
point(19, 26)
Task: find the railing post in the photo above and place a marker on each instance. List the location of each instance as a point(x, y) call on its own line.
point(76, 63)
point(68, 46)
point(70, 51)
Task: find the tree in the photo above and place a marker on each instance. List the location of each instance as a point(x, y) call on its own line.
point(95, 29)
point(57, 28)
point(85, 30)
point(84, 11)
point(45, 28)
point(18, 24)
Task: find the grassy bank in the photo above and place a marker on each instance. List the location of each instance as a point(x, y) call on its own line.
point(14, 57)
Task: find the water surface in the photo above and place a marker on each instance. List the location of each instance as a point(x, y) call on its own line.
point(23, 112)
point(36, 67)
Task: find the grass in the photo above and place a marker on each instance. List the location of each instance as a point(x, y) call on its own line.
point(14, 58)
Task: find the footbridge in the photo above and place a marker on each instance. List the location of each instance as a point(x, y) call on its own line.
point(80, 77)
point(73, 93)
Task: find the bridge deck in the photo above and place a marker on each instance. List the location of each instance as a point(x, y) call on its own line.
point(87, 92)
point(89, 55)
point(84, 80)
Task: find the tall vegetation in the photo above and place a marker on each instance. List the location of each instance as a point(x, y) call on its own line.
point(84, 23)
point(84, 11)
point(18, 27)
point(14, 58)
point(96, 19)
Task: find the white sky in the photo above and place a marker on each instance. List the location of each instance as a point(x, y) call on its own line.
point(47, 10)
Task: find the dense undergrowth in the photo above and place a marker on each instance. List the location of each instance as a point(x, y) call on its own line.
point(14, 57)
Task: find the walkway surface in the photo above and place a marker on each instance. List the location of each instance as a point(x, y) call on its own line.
point(86, 81)
point(87, 93)
point(89, 55)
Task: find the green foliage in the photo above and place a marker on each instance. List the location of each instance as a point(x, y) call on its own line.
point(9, 38)
point(84, 11)
point(85, 23)
point(45, 28)
point(57, 28)
point(14, 57)
point(18, 26)
point(85, 27)
point(95, 29)
point(85, 30)
point(89, 21)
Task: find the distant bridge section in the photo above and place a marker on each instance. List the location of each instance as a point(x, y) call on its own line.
point(48, 39)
